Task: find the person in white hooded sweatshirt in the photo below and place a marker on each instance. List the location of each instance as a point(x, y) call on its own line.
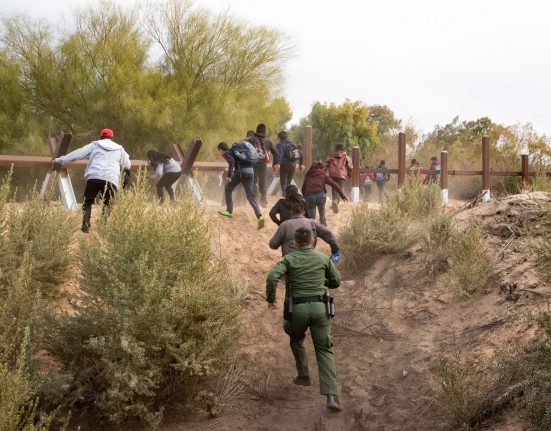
point(102, 174)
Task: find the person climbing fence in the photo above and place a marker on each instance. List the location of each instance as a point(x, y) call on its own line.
point(167, 172)
point(105, 160)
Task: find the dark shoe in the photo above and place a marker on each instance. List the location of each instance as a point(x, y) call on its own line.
point(333, 403)
point(303, 380)
point(85, 228)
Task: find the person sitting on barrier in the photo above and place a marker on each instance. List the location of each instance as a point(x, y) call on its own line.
point(167, 172)
point(239, 172)
point(284, 236)
point(283, 207)
point(102, 174)
point(313, 189)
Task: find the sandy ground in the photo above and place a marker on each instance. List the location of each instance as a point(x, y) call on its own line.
point(392, 324)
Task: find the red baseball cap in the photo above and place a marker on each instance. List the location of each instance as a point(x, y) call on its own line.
point(106, 133)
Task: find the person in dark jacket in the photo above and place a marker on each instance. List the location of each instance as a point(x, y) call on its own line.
point(314, 192)
point(239, 172)
point(339, 168)
point(283, 206)
point(289, 156)
point(264, 146)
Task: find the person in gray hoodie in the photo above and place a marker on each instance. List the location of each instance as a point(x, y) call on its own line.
point(102, 174)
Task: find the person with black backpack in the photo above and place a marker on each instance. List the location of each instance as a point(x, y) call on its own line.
point(240, 157)
point(289, 156)
point(264, 146)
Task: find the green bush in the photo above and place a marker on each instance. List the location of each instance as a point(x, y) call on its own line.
point(540, 183)
point(470, 263)
point(371, 233)
point(34, 262)
point(437, 240)
point(18, 405)
point(415, 200)
point(157, 316)
point(37, 236)
point(460, 392)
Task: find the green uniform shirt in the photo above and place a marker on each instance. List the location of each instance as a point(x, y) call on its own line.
point(308, 272)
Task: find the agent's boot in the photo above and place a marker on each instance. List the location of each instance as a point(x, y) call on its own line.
point(333, 403)
point(303, 380)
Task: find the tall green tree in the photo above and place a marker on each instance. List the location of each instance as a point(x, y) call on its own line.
point(216, 76)
point(347, 123)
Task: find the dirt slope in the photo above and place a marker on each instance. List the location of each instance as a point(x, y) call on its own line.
point(391, 325)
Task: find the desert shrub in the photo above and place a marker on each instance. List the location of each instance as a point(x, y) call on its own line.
point(18, 405)
point(437, 240)
point(539, 183)
point(157, 315)
point(34, 262)
point(470, 263)
point(415, 200)
point(460, 392)
point(542, 250)
point(37, 236)
point(371, 233)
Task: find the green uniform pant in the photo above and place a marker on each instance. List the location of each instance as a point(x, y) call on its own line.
point(314, 316)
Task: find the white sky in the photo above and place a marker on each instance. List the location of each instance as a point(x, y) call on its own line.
point(428, 60)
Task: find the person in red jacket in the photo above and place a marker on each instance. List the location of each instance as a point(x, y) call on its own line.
point(339, 168)
point(314, 192)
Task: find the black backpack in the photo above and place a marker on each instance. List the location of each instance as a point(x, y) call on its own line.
point(291, 152)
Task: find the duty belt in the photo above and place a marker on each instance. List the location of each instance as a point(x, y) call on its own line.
point(303, 299)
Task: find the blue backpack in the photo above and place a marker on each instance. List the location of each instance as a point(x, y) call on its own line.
point(245, 152)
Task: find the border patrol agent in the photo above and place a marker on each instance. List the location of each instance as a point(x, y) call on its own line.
point(308, 273)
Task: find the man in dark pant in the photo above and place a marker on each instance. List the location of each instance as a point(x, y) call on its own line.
point(247, 180)
point(105, 160)
point(317, 201)
point(265, 147)
point(286, 174)
point(238, 173)
point(106, 190)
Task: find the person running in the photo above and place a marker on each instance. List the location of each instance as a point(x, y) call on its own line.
point(291, 197)
point(102, 174)
point(307, 274)
point(339, 168)
point(289, 156)
point(284, 236)
point(167, 172)
point(314, 192)
point(366, 180)
point(239, 172)
point(264, 146)
point(381, 179)
point(434, 168)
